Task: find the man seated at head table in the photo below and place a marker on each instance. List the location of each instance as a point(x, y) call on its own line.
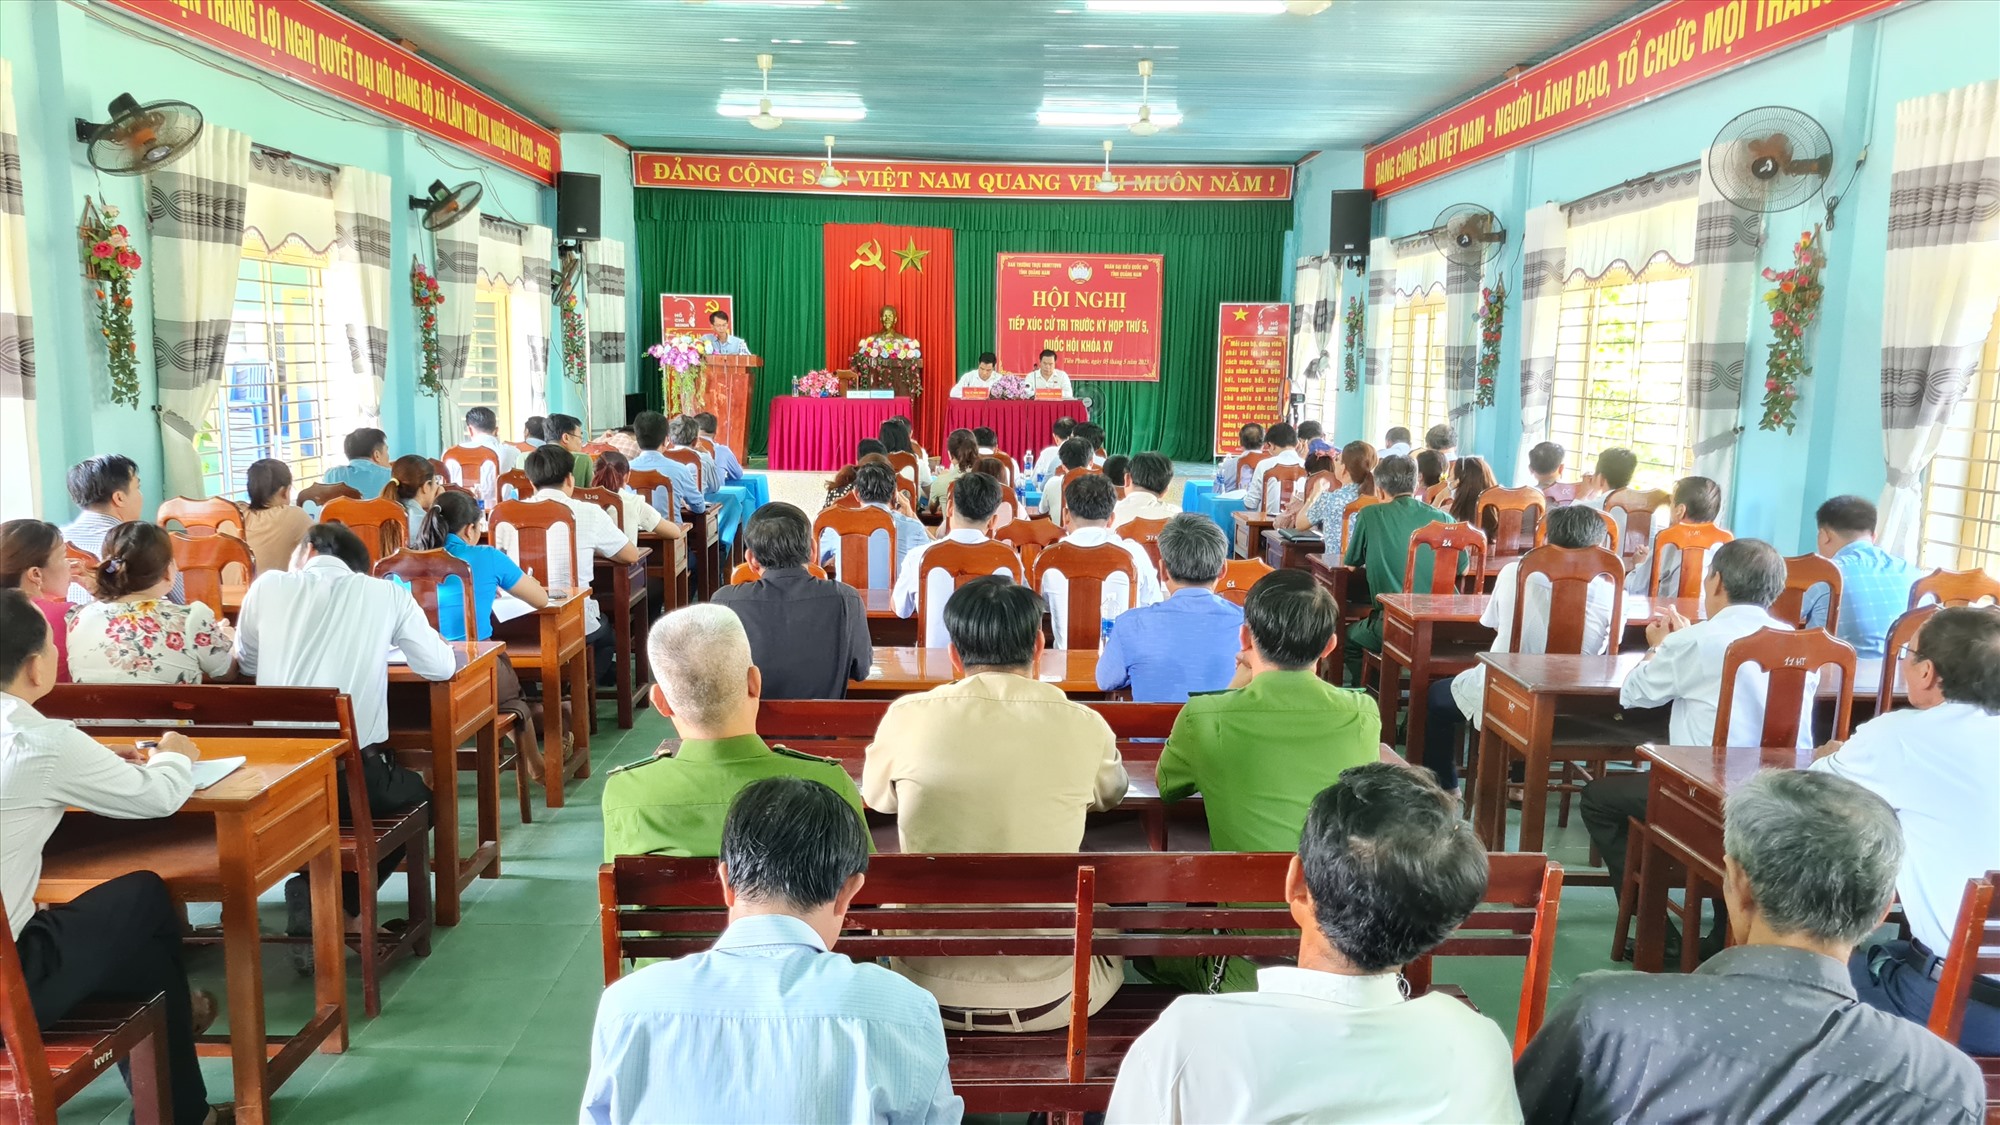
point(1258, 752)
point(975, 497)
point(1386, 869)
point(1770, 1029)
point(106, 492)
point(120, 940)
point(706, 682)
point(979, 378)
point(1460, 698)
point(1937, 763)
point(1380, 544)
point(1874, 584)
point(1696, 500)
point(1150, 475)
point(1188, 642)
point(1088, 500)
point(809, 636)
point(996, 762)
point(769, 1024)
point(875, 486)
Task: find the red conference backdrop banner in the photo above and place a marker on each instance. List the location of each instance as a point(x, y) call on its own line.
point(689, 312)
point(1656, 52)
point(1100, 313)
point(1250, 352)
point(707, 171)
point(320, 48)
point(909, 269)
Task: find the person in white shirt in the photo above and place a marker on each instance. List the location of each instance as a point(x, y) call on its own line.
point(979, 378)
point(975, 497)
point(1462, 697)
point(1047, 376)
point(1385, 871)
point(1073, 456)
point(328, 623)
point(1148, 476)
point(1396, 443)
point(1282, 442)
point(1088, 500)
point(640, 518)
point(548, 469)
point(1094, 434)
point(1683, 667)
point(1696, 500)
point(1228, 475)
point(1937, 763)
point(482, 431)
point(120, 939)
point(1050, 458)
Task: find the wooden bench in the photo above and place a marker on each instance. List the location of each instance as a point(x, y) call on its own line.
point(40, 1070)
point(1126, 904)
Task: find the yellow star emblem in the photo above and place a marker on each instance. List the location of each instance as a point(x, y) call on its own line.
point(911, 256)
point(1243, 314)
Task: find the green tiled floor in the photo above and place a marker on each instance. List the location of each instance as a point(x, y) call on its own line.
point(494, 1026)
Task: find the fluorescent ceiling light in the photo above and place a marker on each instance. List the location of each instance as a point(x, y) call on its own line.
point(1190, 7)
point(796, 106)
point(1057, 113)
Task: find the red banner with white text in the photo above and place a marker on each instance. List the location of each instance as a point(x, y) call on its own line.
point(1662, 49)
point(800, 175)
point(1250, 352)
point(1100, 313)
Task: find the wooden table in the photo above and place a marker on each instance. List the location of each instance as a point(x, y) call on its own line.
point(228, 844)
point(1251, 524)
point(905, 670)
point(465, 706)
point(667, 565)
point(1684, 829)
point(1281, 553)
point(886, 629)
point(620, 590)
point(560, 653)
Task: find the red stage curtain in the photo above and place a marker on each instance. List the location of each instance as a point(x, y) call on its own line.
point(924, 296)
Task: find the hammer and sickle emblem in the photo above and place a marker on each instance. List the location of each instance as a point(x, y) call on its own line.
point(714, 306)
point(868, 254)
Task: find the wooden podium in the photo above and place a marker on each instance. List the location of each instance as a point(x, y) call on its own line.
point(728, 398)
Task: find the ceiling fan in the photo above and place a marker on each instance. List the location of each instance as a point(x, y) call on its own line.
point(829, 176)
point(1144, 126)
point(1107, 183)
point(763, 118)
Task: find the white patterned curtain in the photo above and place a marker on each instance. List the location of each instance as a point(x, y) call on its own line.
point(1315, 312)
point(1727, 241)
point(195, 209)
point(528, 314)
point(1544, 248)
point(455, 261)
point(1380, 334)
point(20, 487)
point(1941, 282)
point(604, 313)
point(1462, 283)
point(358, 288)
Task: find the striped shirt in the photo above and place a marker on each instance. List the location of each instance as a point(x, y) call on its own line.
point(1874, 591)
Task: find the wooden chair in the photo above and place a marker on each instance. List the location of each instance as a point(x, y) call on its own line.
point(208, 562)
point(1007, 459)
point(657, 488)
point(1029, 538)
point(319, 495)
point(963, 562)
point(596, 449)
point(1518, 517)
point(1610, 528)
point(1350, 510)
point(1246, 467)
point(606, 500)
point(1435, 494)
point(201, 517)
point(1570, 571)
point(1085, 571)
point(705, 539)
point(1694, 541)
point(248, 711)
point(1238, 575)
point(706, 445)
point(1955, 587)
point(745, 573)
point(1456, 548)
point(905, 465)
point(41, 1070)
point(79, 559)
point(522, 446)
point(1975, 952)
point(1287, 479)
point(1902, 632)
point(908, 489)
point(383, 525)
point(513, 481)
point(475, 467)
point(1802, 573)
point(854, 528)
point(1146, 533)
point(1638, 508)
point(540, 536)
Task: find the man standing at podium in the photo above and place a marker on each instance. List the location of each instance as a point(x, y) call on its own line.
point(719, 340)
point(1048, 376)
point(979, 378)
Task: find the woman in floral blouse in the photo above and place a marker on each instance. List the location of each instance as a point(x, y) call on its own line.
point(131, 633)
point(1355, 470)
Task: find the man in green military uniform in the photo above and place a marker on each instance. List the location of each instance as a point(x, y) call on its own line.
point(1259, 752)
point(1380, 545)
point(707, 685)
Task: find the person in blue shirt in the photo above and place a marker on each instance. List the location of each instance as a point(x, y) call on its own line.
point(725, 457)
point(1874, 584)
point(650, 427)
point(875, 485)
point(720, 342)
point(770, 1024)
point(367, 468)
point(1187, 643)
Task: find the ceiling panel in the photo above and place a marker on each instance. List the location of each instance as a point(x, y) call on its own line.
point(964, 78)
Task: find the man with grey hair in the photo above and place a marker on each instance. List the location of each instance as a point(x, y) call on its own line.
point(1188, 642)
point(1770, 1030)
point(704, 682)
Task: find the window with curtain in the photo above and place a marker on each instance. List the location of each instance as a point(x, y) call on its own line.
point(274, 388)
point(1416, 363)
point(1621, 370)
point(1962, 490)
point(489, 370)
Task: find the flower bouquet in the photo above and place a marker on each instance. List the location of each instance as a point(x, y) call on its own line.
point(1010, 387)
point(895, 363)
point(683, 366)
point(817, 384)
point(110, 261)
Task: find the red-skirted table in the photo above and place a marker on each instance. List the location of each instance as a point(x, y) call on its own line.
point(1020, 426)
point(816, 435)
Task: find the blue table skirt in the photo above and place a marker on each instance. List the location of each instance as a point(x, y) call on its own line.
point(1199, 496)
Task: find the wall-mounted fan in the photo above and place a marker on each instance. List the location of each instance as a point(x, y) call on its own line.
point(1771, 158)
point(569, 273)
point(139, 138)
point(444, 206)
point(1468, 234)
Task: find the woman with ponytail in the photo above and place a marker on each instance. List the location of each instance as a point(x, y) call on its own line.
point(274, 526)
point(1355, 470)
point(613, 470)
point(132, 633)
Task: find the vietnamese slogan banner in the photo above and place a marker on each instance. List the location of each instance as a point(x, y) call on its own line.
point(689, 312)
point(1250, 353)
point(707, 171)
point(1669, 46)
point(319, 48)
point(1100, 313)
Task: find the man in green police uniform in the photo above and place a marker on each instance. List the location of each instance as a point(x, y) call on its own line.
point(1380, 545)
point(707, 685)
point(1259, 752)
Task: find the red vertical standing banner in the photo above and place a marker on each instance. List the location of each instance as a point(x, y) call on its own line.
point(909, 269)
point(1250, 367)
